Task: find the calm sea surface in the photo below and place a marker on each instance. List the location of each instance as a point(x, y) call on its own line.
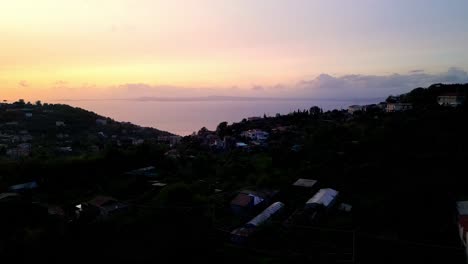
point(185, 117)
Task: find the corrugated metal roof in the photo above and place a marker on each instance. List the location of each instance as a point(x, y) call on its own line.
point(324, 197)
point(8, 195)
point(308, 183)
point(266, 214)
point(462, 207)
point(24, 186)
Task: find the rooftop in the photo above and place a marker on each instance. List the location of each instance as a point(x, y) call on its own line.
point(308, 183)
point(324, 197)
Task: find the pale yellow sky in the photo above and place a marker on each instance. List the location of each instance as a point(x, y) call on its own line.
point(102, 44)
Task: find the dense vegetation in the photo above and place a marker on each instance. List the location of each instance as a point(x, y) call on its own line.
point(401, 171)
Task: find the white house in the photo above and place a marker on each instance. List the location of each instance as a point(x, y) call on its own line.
point(101, 122)
point(59, 123)
point(255, 134)
point(398, 107)
point(450, 99)
point(254, 118)
point(324, 197)
point(355, 108)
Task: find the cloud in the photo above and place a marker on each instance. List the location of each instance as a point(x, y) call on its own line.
point(359, 86)
point(324, 86)
point(23, 83)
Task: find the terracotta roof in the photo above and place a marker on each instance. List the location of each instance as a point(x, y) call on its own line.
point(242, 199)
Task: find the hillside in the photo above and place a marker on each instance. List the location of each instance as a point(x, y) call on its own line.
point(31, 130)
point(397, 168)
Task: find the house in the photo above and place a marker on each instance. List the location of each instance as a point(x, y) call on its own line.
point(65, 149)
point(315, 207)
point(241, 145)
point(247, 200)
point(157, 184)
point(254, 118)
point(101, 122)
point(218, 144)
point(301, 190)
point(255, 134)
point(28, 186)
point(171, 140)
point(324, 198)
point(28, 115)
point(107, 206)
point(451, 99)
point(305, 183)
point(241, 234)
point(137, 141)
point(59, 123)
point(398, 107)
point(102, 135)
point(355, 108)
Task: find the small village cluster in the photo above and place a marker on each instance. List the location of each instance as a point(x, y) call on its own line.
point(446, 99)
point(31, 127)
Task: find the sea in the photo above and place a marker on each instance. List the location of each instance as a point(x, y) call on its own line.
point(184, 117)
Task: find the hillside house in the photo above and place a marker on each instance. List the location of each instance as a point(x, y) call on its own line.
point(451, 99)
point(247, 200)
point(101, 122)
point(254, 118)
point(59, 123)
point(398, 107)
point(241, 145)
point(356, 108)
point(171, 140)
point(255, 134)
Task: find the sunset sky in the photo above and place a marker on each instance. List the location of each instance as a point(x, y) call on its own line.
point(104, 48)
